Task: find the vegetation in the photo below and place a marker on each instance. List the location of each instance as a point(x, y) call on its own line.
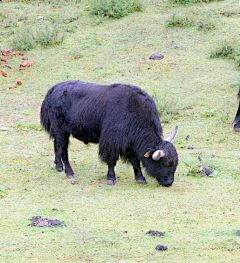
point(115, 8)
point(30, 37)
point(225, 50)
point(180, 21)
point(199, 214)
point(187, 2)
point(3, 191)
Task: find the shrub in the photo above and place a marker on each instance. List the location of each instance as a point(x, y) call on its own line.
point(182, 2)
point(227, 13)
point(180, 21)
point(187, 2)
point(115, 8)
point(24, 40)
point(226, 50)
point(238, 62)
point(50, 35)
point(206, 25)
point(29, 38)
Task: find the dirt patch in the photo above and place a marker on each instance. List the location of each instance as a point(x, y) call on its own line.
point(41, 222)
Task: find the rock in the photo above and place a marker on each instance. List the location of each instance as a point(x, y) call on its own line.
point(39, 221)
point(155, 233)
point(3, 73)
point(161, 247)
point(93, 166)
point(190, 147)
point(205, 170)
point(73, 182)
point(238, 233)
point(156, 56)
point(98, 68)
point(24, 63)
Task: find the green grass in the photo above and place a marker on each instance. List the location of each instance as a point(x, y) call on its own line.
point(199, 214)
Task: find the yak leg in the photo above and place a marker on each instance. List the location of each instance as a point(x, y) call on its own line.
point(61, 141)
point(111, 178)
point(137, 170)
point(58, 153)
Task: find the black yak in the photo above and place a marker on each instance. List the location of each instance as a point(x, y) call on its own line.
point(236, 122)
point(123, 119)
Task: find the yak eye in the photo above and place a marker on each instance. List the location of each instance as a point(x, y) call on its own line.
point(167, 164)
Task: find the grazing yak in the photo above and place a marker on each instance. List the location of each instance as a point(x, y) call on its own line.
point(236, 122)
point(123, 119)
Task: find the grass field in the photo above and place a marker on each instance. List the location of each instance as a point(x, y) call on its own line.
point(200, 215)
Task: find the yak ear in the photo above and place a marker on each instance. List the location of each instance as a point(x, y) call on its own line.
point(149, 151)
point(147, 154)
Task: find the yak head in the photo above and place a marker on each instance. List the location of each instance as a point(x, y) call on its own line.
point(236, 123)
point(161, 162)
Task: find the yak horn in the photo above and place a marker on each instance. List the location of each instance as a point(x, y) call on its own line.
point(170, 137)
point(158, 154)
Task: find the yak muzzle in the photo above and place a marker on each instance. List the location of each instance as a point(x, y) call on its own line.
point(166, 181)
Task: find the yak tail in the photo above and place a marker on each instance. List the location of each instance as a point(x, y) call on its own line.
point(44, 116)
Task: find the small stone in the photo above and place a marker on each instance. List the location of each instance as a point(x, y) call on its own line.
point(98, 68)
point(93, 166)
point(238, 233)
point(156, 56)
point(190, 147)
point(205, 170)
point(161, 247)
point(73, 182)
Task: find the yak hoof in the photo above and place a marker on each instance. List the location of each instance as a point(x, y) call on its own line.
point(70, 175)
point(59, 168)
point(111, 182)
point(141, 181)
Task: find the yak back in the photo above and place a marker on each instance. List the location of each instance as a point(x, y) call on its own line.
point(118, 116)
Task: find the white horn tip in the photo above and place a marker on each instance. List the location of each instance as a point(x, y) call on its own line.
point(170, 137)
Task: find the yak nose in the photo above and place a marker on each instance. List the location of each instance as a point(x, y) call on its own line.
point(167, 184)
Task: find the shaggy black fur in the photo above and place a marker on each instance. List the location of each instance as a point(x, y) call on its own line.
point(236, 121)
point(123, 119)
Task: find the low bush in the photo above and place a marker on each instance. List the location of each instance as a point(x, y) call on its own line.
point(29, 38)
point(206, 25)
point(180, 21)
point(187, 2)
point(24, 40)
point(225, 50)
point(50, 35)
point(115, 8)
